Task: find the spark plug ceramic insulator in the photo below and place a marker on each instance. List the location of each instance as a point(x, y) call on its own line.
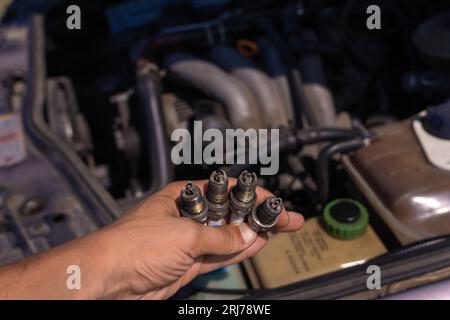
point(217, 196)
point(265, 217)
point(243, 197)
point(193, 205)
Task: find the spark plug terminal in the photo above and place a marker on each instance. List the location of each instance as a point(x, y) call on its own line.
point(193, 206)
point(217, 197)
point(243, 197)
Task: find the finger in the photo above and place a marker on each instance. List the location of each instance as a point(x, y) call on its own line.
point(211, 263)
point(224, 240)
point(289, 221)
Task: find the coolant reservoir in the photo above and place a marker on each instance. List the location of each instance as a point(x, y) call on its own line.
point(341, 238)
point(401, 182)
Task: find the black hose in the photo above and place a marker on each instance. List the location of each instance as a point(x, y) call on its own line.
point(299, 99)
point(291, 142)
point(155, 138)
point(310, 65)
point(323, 162)
point(203, 35)
point(312, 136)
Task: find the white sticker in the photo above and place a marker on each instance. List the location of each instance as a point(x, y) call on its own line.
point(437, 150)
point(12, 140)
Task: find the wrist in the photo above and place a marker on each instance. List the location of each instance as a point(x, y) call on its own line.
point(104, 272)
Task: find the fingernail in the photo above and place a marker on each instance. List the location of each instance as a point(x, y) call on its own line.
point(248, 234)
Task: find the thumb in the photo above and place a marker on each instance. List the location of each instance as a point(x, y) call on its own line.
point(225, 240)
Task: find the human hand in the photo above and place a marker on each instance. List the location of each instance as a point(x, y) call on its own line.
point(159, 252)
point(149, 253)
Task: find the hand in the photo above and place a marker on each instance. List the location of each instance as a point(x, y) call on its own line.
point(148, 253)
point(159, 252)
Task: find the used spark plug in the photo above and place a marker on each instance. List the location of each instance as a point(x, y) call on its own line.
point(266, 215)
point(217, 196)
point(243, 197)
point(192, 204)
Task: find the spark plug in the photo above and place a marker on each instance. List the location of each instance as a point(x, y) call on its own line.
point(243, 197)
point(217, 196)
point(266, 215)
point(192, 204)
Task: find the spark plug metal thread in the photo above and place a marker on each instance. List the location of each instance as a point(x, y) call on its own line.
point(243, 197)
point(193, 205)
point(217, 196)
point(266, 215)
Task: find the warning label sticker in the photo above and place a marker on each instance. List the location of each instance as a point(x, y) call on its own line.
point(12, 140)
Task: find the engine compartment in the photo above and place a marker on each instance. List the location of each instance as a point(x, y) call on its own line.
point(357, 111)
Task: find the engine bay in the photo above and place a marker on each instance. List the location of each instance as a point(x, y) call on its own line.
point(356, 122)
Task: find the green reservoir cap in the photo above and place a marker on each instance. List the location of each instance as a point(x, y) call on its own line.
point(345, 219)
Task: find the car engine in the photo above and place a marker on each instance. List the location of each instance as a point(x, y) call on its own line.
point(90, 120)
